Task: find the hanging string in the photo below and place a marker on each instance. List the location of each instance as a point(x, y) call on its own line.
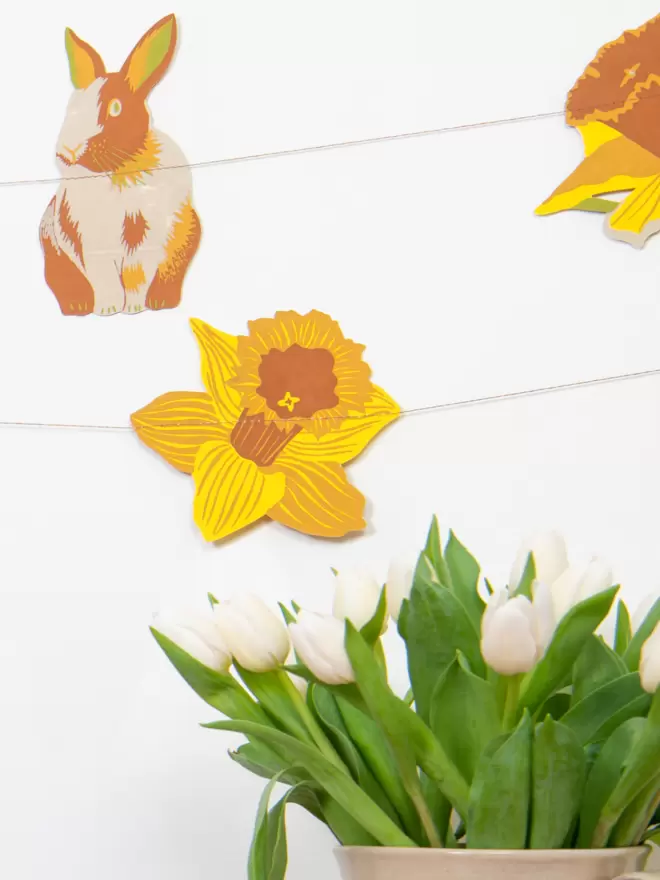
point(418, 410)
point(336, 145)
point(295, 151)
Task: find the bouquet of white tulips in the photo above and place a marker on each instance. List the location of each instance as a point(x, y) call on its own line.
point(522, 728)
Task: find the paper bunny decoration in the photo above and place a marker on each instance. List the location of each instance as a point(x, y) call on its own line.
point(120, 233)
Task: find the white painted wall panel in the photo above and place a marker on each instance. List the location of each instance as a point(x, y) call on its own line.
point(427, 251)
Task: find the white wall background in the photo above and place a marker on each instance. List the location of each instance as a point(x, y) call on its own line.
point(424, 249)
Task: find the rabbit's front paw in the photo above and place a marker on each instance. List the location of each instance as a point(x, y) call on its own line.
point(135, 302)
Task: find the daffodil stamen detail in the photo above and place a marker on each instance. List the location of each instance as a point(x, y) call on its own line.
point(288, 401)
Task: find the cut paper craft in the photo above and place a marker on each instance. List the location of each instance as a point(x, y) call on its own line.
point(615, 105)
point(285, 408)
point(118, 236)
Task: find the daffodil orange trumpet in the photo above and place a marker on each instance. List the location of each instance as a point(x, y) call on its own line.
point(614, 106)
point(285, 408)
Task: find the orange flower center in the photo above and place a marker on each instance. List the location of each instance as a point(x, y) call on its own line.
point(258, 440)
point(298, 382)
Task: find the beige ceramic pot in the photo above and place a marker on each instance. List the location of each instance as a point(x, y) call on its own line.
point(385, 863)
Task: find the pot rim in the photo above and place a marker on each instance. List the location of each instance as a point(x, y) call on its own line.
point(523, 854)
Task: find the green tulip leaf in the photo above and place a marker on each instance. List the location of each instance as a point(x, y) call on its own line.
point(439, 807)
point(286, 614)
point(274, 697)
point(259, 858)
point(642, 766)
point(399, 724)
point(622, 629)
point(604, 775)
point(558, 777)
point(556, 706)
point(372, 630)
point(264, 762)
point(500, 794)
point(374, 748)
point(219, 690)
point(524, 588)
point(464, 716)
point(345, 827)
point(573, 630)
point(635, 819)
point(464, 572)
point(437, 626)
point(591, 718)
point(335, 782)
point(433, 554)
point(327, 712)
point(596, 665)
point(269, 852)
point(634, 649)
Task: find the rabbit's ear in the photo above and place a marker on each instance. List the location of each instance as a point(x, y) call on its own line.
point(147, 63)
point(85, 63)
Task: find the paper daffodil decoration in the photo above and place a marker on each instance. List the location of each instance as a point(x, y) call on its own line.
point(615, 105)
point(285, 408)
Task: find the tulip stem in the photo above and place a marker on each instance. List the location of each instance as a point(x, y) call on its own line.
point(510, 714)
point(320, 739)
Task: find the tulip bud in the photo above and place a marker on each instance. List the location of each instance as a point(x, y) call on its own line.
point(254, 635)
point(550, 558)
point(642, 610)
point(512, 632)
point(356, 598)
point(299, 683)
point(399, 584)
point(319, 642)
point(545, 621)
point(197, 634)
point(577, 583)
point(649, 662)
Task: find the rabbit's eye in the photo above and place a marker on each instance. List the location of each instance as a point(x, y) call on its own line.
point(114, 107)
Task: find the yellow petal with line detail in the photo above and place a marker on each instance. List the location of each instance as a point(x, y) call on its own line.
point(219, 364)
point(616, 165)
point(356, 432)
point(318, 499)
point(177, 424)
point(638, 216)
point(231, 492)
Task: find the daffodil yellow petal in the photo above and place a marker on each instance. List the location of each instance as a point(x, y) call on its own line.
point(219, 364)
point(617, 165)
point(318, 500)
point(231, 492)
point(177, 424)
point(354, 435)
point(595, 134)
point(638, 216)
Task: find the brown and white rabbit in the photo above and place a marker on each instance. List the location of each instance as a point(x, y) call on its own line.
point(121, 231)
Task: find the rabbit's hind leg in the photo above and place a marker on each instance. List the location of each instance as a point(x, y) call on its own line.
point(183, 241)
point(72, 290)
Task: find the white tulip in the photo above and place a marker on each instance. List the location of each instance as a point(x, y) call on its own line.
point(577, 583)
point(649, 662)
point(642, 610)
point(319, 642)
point(514, 631)
point(197, 634)
point(356, 598)
point(254, 635)
point(298, 682)
point(399, 584)
point(545, 621)
point(550, 558)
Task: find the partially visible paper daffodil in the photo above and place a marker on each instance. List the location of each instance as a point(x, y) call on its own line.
point(285, 408)
point(615, 105)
